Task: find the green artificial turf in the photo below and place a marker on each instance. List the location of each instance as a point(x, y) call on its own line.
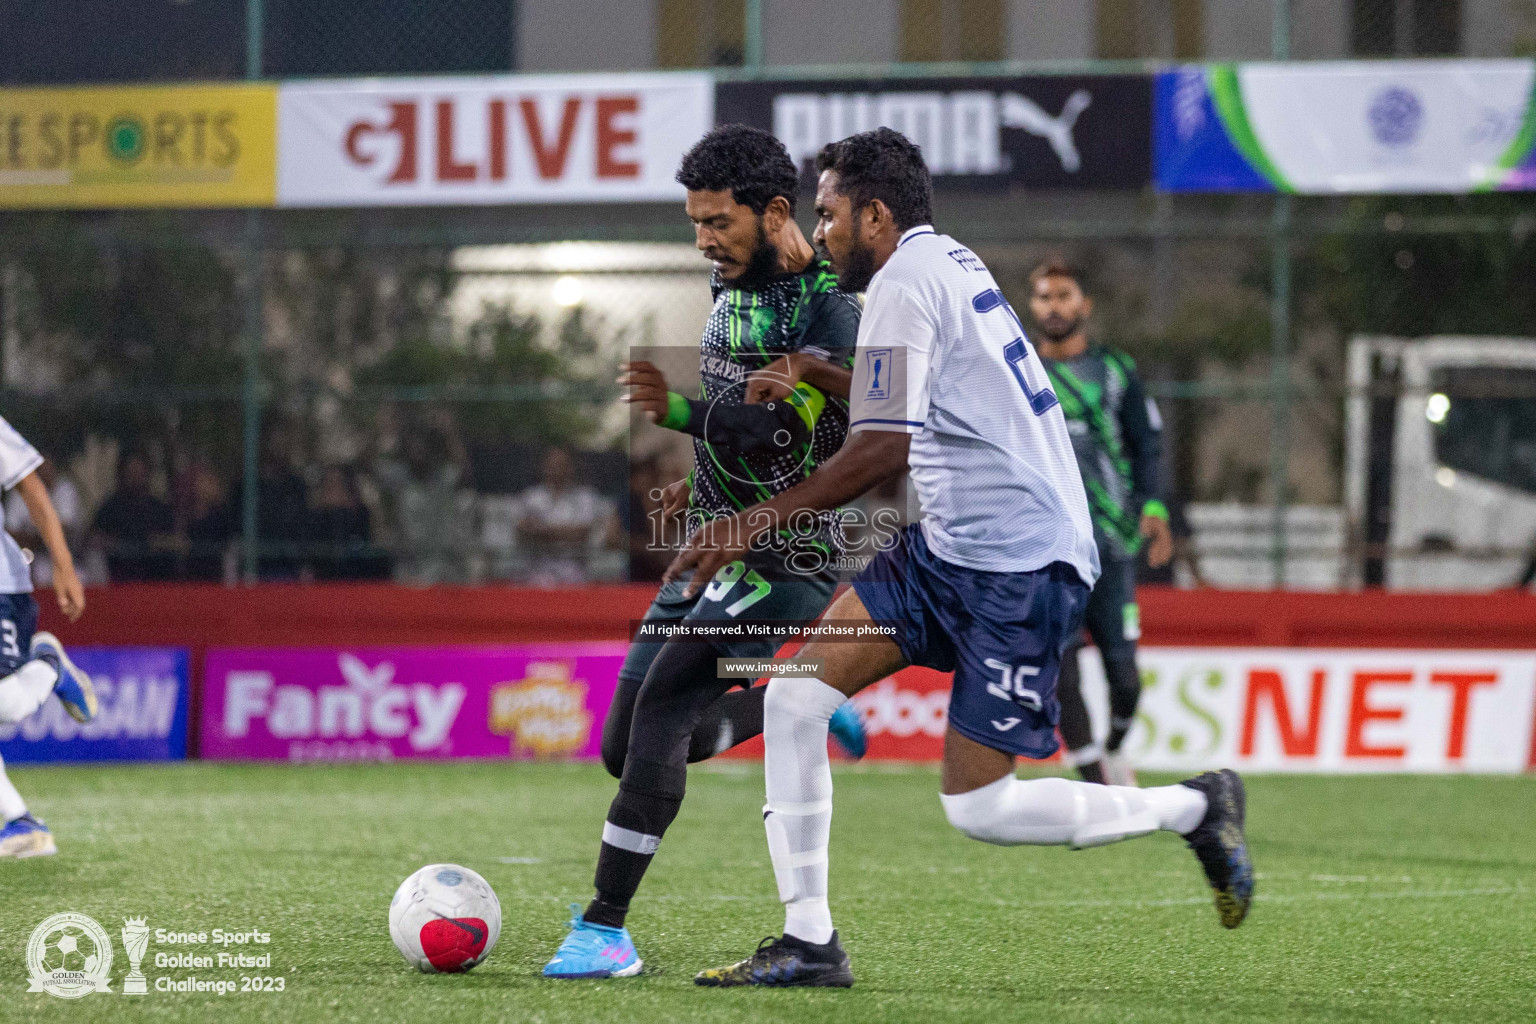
point(1380, 899)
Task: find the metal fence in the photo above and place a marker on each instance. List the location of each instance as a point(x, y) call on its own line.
point(380, 398)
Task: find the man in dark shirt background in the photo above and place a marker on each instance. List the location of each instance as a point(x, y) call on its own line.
point(1117, 437)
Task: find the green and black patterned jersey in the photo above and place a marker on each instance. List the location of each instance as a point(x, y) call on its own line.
point(746, 454)
point(1117, 437)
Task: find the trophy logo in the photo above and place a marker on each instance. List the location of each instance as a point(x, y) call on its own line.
point(135, 941)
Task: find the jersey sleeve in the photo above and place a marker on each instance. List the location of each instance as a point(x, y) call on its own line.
point(17, 457)
point(897, 336)
point(1142, 428)
point(833, 331)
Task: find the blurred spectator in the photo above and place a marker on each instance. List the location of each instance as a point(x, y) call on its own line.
point(648, 553)
point(135, 528)
point(66, 501)
point(212, 526)
point(434, 510)
point(340, 531)
point(282, 509)
point(562, 523)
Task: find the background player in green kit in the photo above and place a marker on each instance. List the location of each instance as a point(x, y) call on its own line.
point(778, 311)
point(1117, 437)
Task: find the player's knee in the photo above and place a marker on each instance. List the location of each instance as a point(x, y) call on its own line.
point(788, 699)
point(977, 813)
point(613, 755)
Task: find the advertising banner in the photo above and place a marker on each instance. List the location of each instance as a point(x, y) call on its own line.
point(118, 146)
point(1347, 127)
point(144, 696)
point(1069, 131)
point(488, 140)
point(1278, 709)
point(382, 703)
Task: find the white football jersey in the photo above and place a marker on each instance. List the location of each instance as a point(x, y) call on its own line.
point(942, 356)
point(17, 460)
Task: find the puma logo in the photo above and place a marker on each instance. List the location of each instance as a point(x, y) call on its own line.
point(1022, 112)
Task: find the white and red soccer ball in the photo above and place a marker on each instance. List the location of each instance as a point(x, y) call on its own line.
point(444, 919)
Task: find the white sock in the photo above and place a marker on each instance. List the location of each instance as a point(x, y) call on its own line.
point(798, 815)
point(12, 806)
point(1061, 812)
point(23, 691)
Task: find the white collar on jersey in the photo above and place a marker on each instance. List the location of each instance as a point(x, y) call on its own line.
point(913, 232)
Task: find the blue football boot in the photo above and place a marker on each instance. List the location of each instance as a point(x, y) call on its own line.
point(594, 951)
point(26, 837)
point(847, 728)
point(74, 688)
point(1219, 841)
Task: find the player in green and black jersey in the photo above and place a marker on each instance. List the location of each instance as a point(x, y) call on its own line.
point(775, 365)
point(1117, 436)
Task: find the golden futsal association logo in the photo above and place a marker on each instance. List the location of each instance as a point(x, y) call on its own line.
point(69, 956)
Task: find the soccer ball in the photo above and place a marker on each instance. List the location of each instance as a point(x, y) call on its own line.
point(69, 948)
point(444, 919)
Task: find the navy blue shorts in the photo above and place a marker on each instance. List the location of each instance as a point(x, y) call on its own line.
point(18, 621)
point(1001, 633)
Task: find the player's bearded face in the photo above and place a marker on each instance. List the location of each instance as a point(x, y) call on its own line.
point(1059, 307)
point(733, 238)
point(837, 237)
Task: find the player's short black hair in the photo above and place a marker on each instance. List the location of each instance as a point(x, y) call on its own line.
point(885, 165)
point(749, 162)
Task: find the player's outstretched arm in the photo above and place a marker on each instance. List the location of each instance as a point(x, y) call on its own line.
point(867, 458)
point(779, 378)
point(66, 584)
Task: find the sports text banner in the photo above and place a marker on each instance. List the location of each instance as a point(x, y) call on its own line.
point(318, 704)
point(1347, 127)
point(144, 696)
point(488, 140)
point(1279, 709)
point(1045, 131)
point(116, 146)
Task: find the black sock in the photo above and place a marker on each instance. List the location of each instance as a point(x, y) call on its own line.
point(1124, 694)
point(734, 718)
point(648, 799)
point(1092, 772)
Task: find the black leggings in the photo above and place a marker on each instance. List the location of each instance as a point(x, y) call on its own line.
point(679, 690)
point(1124, 694)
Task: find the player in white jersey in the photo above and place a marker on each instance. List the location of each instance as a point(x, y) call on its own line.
point(34, 665)
point(992, 584)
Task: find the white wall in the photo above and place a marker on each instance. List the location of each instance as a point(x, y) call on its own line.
point(1320, 29)
point(1050, 30)
point(1240, 29)
point(830, 31)
point(1488, 27)
point(586, 35)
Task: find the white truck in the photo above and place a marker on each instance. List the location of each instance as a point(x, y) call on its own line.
point(1440, 462)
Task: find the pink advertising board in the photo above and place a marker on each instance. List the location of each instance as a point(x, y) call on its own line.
point(379, 703)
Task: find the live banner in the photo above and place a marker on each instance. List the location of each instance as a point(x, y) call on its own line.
point(488, 140)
